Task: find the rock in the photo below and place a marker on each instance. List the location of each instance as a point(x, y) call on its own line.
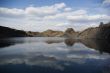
point(70, 30)
point(101, 24)
point(70, 33)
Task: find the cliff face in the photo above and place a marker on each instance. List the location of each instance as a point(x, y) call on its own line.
point(8, 32)
point(101, 32)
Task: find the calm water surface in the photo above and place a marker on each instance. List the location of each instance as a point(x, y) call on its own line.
point(54, 55)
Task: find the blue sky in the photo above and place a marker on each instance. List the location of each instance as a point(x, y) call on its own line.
point(25, 3)
point(40, 15)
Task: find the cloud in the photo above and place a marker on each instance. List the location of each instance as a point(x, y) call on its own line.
point(89, 18)
point(64, 15)
point(33, 10)
point(59, 5)
point(57, 16)
point(40, 10)
point(106, 5)
point(106, 2)
point(68, 9)
point(12, 11)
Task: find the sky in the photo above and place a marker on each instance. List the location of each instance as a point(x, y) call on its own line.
point(40, 15)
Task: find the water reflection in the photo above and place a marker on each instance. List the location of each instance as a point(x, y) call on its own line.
point(57, 55)
point(5, 43)
point(70, 42)
point(100, 45)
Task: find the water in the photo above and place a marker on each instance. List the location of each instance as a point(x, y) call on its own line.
point(54, 55)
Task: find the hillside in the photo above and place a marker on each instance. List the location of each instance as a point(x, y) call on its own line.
point(101, 32)
point(8, 32)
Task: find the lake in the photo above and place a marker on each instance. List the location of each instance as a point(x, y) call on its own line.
point(54, 55)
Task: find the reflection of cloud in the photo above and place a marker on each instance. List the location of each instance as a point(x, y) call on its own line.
point(39, 60)
point(57, 56)
point(46, 59)
point(86, 57)
point(49, 62)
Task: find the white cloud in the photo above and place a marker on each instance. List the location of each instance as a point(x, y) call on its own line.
point(68, 9)
point(34, 10)
point(59, 6)
point(106, 5)
point(13, 11)
point(40, 10)
point(106, 2)
point(57, 16)
point(64, 15)
point(89, 18)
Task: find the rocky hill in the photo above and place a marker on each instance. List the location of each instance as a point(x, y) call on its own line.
point(70, 33)
point(101, 32)
point(52, 33)
point(8, 32)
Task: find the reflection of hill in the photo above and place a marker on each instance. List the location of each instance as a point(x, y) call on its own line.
point(70, 42)
point(101, 45)
point(57, 56)
point(9, 42)
point(53, 41)
point(5, 43)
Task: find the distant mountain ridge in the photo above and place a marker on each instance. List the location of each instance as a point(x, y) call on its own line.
point(9, 32)
point(101, 32)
